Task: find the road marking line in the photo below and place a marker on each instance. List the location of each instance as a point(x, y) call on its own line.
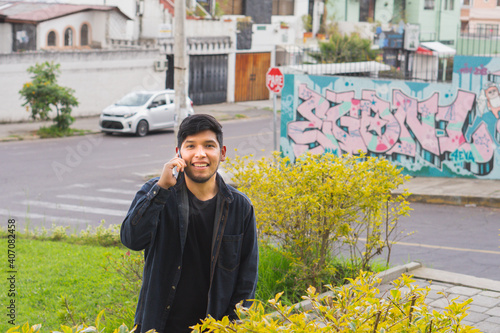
point(73, 208)
point(95, 199)
point(49, 218)
point(114, 190)
point(446, 248)
point(120, 166)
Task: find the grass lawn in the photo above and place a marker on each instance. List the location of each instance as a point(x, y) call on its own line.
point(47, 269)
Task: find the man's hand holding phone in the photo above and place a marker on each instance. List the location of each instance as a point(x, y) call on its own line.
point(167, 178)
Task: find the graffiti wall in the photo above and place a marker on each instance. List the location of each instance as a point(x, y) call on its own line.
point(430, 129)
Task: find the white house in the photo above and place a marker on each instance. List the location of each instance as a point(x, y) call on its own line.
point(27, 26)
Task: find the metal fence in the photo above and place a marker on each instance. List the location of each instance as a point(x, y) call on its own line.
point(481, 40)
point(393, 64)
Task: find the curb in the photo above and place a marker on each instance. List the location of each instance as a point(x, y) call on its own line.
point(455, 200)
point(385, 276)
point(15, 137)
point(456, 279)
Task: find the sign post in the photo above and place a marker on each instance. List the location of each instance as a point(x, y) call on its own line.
point(275, 82)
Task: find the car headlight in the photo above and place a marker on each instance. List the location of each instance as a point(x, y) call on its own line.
point(131, 114)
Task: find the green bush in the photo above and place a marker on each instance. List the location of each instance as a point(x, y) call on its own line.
point(42, 94)
point(345, 48)
point(356, 307)
point(319, 203)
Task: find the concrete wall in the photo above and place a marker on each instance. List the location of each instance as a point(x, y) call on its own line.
point(444, 130)
point(99, 78)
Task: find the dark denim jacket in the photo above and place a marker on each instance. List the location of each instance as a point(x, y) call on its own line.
point(157, 222)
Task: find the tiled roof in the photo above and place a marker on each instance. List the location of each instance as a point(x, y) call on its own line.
point(29, 12)
point(168, 5)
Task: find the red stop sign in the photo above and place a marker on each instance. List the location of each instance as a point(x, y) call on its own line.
point(275, 80)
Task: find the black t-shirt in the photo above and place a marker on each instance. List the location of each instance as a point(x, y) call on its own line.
point(191, 297)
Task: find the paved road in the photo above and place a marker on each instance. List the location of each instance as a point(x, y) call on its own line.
point(80, 180)
point(459, 239)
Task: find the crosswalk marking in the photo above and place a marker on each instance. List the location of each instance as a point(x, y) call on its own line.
point(27, 215)
point(95, 199)
point(114, 190)
point(74, 208)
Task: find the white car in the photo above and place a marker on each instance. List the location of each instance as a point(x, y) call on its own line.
point(141, 112)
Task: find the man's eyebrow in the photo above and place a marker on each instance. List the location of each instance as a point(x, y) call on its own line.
point(206, 141)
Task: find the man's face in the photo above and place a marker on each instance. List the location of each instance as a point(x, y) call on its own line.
point(202, 154)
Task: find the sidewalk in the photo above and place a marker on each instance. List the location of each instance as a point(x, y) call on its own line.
point(223, 112)
point(484, 312)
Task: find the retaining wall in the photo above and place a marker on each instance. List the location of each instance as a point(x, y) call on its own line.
point(98, 77)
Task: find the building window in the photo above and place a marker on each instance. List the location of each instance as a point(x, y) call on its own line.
point(449, 4)
point(498, 2)
point(283, 7)
point(84, 35)
point(68, 37)
point(487, 29)
point(467, 2)
point(231, 7)
point(429, 4)
point(51, 39)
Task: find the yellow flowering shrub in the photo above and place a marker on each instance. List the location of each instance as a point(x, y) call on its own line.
point(321, 202)
point(358, 307)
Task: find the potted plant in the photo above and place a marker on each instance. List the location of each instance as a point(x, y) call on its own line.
point(307, 25)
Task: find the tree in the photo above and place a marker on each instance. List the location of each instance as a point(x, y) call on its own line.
point(345, 48)
point(42, 94)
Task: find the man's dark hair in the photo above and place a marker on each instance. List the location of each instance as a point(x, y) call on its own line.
point(198, 123)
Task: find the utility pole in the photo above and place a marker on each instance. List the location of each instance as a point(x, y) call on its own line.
point(180, 63)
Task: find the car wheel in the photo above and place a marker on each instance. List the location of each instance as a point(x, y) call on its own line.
point(142, 128)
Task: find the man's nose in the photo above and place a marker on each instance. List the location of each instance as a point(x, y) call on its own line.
point(200, 152)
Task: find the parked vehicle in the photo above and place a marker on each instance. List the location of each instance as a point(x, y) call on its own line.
point(140, 112)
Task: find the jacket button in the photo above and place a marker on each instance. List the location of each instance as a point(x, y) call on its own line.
point(168, 307)
point(173, 287)
point(179, 267)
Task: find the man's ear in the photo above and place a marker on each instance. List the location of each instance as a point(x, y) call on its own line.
point(223, 153)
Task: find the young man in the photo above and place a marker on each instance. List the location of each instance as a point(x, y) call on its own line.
point(198, 235)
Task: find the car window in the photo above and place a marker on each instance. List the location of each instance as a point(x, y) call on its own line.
point(159, 100)
point(134, 99)
point(170, 98)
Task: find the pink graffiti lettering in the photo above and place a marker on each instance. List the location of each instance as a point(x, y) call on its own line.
point(340, 123)
point(345, 120)
point(481, 70)
point(379, 128)
point(466, 69)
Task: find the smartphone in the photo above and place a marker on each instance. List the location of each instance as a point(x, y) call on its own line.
point(175, 173)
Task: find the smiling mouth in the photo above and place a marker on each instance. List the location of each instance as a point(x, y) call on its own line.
point(200, 165)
